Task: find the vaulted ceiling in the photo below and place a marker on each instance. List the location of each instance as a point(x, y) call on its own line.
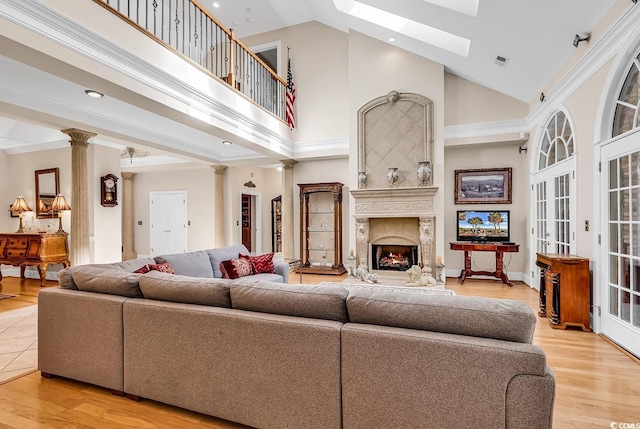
point(534, 37)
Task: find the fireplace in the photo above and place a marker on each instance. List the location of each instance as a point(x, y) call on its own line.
point(393, 257)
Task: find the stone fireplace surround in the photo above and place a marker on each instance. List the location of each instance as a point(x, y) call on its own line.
point(395, 216)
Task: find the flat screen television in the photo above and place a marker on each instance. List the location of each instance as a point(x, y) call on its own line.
point(483, 225)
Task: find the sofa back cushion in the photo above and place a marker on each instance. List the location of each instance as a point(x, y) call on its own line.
point(185, 289)
point(107, 280)
point(193, 264)
point(318, 302)
point(224, 254)
point(66, 279)
point(478, 317)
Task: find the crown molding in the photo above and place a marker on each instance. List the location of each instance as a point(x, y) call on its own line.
point(336, 148)
point(515, 126)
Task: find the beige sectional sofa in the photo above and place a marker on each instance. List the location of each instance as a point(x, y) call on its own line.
point(274, 355)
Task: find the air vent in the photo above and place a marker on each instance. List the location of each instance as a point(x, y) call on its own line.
point(501, 61)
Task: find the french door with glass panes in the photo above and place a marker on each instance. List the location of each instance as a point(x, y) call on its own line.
point(554, 208)
point(620, 242)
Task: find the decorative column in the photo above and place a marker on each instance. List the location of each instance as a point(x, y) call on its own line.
point(127, 217)
point(79, 249)
point(219, 203)
point(362, 242)
point(287, 207)
point(426, 243)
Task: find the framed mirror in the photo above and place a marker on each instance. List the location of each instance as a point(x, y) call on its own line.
point(47, 187)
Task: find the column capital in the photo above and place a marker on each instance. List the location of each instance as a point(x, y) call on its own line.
point(288, 163)
point(78, 137)
point(219, 169)
point(127, 175)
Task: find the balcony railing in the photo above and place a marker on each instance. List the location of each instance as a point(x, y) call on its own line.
point(186, 27)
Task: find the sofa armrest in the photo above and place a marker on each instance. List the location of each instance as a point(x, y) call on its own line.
point(282, 268)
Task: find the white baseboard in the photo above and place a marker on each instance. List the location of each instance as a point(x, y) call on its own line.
point(31, 272)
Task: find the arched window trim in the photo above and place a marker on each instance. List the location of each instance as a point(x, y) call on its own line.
point(548, 145)
point(631, 66)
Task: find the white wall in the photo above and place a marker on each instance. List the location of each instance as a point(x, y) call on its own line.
point(319, 66)
point(105, 224)
point(489, 156)
point(6, 194)
point(199, 184)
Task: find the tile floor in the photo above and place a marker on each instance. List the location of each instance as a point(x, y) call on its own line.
point(18, 342)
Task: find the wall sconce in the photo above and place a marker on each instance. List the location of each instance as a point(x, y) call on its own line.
point(20, 206)
point(59, 204)
point(584, 37)
point(542, 97)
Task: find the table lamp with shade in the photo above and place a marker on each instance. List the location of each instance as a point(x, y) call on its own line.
point(19, 206)
point(57, 206)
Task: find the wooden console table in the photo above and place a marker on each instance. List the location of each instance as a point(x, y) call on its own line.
point(34, 249)
point(498, 248)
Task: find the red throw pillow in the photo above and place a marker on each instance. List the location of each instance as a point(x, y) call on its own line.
point(236, 268)
point(261, 263)
point(143, 269)
point(164, 267)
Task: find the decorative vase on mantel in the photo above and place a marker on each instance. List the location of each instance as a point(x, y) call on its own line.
point(362, 180)
point(392, 176)
point(424, 172)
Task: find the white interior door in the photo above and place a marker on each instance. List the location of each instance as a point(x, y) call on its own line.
point(168, 222)
point(619, 285)
point(553, 212)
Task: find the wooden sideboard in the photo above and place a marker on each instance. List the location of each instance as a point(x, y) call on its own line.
point(565, 290)
point(34, 249)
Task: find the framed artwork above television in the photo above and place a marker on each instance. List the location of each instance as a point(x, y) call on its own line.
point(483, 186)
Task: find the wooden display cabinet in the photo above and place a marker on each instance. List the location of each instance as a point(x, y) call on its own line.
point(276, 224)
point(565, 290)
point(321, 228)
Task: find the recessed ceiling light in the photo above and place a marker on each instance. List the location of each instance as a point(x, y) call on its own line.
point(392, 39)
point(227, 142)
point(93, 93)
point(216, 4)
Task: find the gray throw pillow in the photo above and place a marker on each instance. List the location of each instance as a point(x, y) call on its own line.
point(193, 264)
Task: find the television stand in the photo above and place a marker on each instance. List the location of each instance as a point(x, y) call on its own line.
point(498, 248)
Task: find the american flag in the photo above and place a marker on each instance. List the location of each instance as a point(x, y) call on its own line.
point(291, 97)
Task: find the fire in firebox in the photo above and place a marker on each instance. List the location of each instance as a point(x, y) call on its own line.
point(393, 257)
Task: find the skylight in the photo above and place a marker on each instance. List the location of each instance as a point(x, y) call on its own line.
point(433, 36)
point(468, 7)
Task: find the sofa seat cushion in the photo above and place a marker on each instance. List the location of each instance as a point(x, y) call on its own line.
point(501, 319)
point(194, 264)
point(224, 254)
point(318, 302)
point(185, 289)
point(107, 280)
point(276, 278)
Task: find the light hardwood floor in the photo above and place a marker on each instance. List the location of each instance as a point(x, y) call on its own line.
point(597, 384)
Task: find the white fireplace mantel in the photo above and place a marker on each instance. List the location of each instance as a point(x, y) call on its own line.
point(394, 202)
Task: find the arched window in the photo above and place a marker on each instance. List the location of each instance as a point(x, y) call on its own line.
point(627, 106)
point(557, 141)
